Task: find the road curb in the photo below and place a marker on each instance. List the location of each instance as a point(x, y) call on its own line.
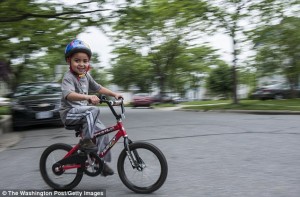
point(5, 124)
point(8, 138)
point(260, 112)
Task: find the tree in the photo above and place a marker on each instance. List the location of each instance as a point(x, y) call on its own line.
point(169, 66)
point(33, 34)
point(222, 16)
point(164, 60)
point(220, 81)
point(5, 72)
point(149, 27)
point(279, 50)
point(131, 69)
point(193, 64)
point(100, 75)
point(231, 15)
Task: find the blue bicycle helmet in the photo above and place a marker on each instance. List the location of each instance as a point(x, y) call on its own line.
point(77, 46)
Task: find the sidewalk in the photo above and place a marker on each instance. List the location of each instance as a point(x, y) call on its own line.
point(262, 112)
point(8, 138)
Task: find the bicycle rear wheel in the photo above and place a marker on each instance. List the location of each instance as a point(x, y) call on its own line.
point(61, 180)
point(152, 168)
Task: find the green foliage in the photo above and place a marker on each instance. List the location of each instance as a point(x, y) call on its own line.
point(247, 76)
point(157, 23)
point(230, 17)
point(220, 81)
point(4, 110)
point(285, 105)
point(278, 49)
point(154, 39)
point(100, 75)
point(34, 34)
point(130, 69)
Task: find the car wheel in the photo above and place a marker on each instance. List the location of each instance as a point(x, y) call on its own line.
point(17, 128)
point(278, 96)
point(59, 123)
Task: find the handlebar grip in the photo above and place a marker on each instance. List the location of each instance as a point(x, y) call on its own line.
point(112, 103)
point(117, 102)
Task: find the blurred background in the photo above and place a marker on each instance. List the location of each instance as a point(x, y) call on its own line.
point(203, 54)
point(161, 48)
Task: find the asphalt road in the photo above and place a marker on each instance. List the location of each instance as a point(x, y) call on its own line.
point(209, 154)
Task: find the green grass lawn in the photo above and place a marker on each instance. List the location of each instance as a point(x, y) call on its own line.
point(289, 104)
point(4, 110)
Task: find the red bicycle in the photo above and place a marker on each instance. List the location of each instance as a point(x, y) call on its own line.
point(142, 167)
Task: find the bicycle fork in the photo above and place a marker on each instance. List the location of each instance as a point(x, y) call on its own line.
point(135, 160)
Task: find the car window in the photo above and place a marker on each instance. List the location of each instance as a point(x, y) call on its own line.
point(35, 89)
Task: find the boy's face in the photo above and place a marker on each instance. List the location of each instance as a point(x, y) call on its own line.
point(79, 62)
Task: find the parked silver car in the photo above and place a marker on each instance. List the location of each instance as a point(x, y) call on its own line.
point(275, 91)
point(36, 103)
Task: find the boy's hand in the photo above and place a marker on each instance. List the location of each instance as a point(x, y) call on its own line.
point(118, 96)
point(93, 99)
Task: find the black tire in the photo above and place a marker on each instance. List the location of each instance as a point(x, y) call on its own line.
point(278, 97)
point(155, 166)
point(56, 181)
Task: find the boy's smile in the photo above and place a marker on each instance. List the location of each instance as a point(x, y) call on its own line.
point(79, 63)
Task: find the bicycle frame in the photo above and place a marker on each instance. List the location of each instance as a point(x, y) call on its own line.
point(121, 133)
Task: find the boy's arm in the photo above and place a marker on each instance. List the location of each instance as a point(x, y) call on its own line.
point(73, 96)
point(93, 99)
point(108, 92)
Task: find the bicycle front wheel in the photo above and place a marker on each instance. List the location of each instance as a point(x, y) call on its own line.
point(151, 170)
point(61, 179)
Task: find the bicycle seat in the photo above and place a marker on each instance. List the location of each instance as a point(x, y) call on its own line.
point(76, 127)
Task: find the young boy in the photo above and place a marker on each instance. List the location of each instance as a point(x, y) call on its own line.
point(75, 110)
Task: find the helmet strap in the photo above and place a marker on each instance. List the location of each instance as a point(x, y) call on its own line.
point(78, 76)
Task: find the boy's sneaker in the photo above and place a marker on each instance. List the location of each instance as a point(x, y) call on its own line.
point(107, 171)
point(87, 144)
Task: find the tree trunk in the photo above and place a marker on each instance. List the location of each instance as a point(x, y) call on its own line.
point(234, 73)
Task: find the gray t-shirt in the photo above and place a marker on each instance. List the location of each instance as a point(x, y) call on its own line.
point(71, 83)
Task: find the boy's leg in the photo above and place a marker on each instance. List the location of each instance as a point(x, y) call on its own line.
point(102, 141)
point(89, 117)
point(84, 115)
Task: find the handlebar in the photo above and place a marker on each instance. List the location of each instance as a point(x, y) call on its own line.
point(112, 103)
point(116, 102)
